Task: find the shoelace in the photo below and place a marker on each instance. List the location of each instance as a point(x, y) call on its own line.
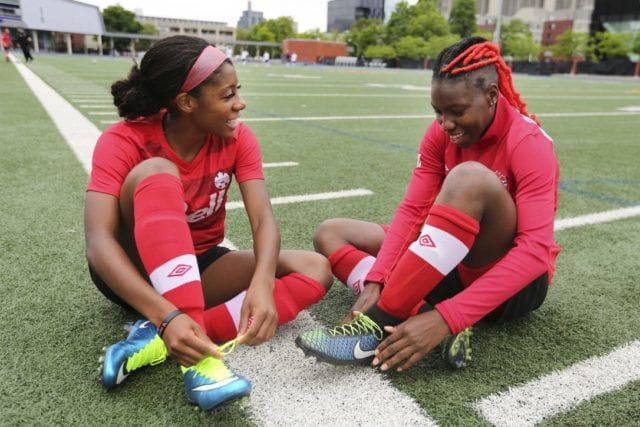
point(226, 348)
point(361, 324)
point(153, 353)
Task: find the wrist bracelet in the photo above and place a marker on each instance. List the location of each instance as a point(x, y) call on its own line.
point(168, 318)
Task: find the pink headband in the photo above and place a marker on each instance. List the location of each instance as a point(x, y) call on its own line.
point(208, 61)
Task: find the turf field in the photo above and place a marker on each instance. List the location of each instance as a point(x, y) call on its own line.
point(576, 361)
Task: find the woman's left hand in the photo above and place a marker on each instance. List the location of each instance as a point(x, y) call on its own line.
point(259, 316)
point(410, 341)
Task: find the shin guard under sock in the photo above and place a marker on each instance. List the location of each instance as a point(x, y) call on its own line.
point(164, 243)
point(351, 266)
point(292, 294)
point(444, 241)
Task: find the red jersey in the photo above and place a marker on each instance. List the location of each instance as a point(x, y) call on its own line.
point(6, 40)
point(521, 155)
point(206, 179)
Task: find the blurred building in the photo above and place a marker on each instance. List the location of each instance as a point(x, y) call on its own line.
point(218, 32)
point(250, 18)
point(55, 25)
point(341, 14)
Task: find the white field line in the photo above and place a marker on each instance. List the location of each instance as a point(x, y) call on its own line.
point(596, 218)
point(309, 390)
point(559, 392)
point(422, 116)
point(286, 387)
point(93, 99)
point(80, 134)
point(279, 164)
point(307, 198)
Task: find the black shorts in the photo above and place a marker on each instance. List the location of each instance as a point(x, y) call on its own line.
point(204, 260)
point(524, 302)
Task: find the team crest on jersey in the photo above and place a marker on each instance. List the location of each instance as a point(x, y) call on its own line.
point(501, 177)
point(221, 180)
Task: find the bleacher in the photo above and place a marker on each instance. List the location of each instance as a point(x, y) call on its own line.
point(346, 61)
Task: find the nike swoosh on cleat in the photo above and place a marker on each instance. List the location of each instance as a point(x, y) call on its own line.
point(121, 374)
point(359, 353)
point(208, 387)
point(144, 324)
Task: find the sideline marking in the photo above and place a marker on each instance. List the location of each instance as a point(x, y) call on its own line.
point(559, 392)
point(421, 116)
point(308, 198)
point(597, 218)
point(302, 399)
point(279, 164)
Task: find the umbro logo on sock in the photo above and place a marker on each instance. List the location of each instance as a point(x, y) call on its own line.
point(426, 240)
point(179, 270)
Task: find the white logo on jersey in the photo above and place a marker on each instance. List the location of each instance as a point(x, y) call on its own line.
point(419, 162)
point(221, 180)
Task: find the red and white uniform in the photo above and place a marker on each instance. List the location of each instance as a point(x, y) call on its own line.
point(206, 179)
point(522, 157)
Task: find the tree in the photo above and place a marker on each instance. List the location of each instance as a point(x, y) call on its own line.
point(117, 19)
point(379, 51)
point(365, 33)
point(517, 41)
point(411, 47)
point(463, 17)
point(572, 46)
point(397, 26)
point(427, 21)
point(149, 29)
point(611, 45)
point(436, 44)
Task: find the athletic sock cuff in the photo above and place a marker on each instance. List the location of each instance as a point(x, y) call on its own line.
point(439, 213)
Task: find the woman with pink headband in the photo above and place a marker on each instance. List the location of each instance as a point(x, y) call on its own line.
point(154, 224)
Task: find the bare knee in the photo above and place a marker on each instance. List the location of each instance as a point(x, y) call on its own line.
point(310, 264)
point(153, 166)
point(328, 236)
point(469, 187)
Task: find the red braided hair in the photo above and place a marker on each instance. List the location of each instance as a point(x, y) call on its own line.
point(480, 55)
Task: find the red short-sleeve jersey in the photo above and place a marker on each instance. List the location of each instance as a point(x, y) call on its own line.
point(206, 179)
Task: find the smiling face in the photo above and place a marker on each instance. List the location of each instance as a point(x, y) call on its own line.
point(465, 106)
point(218, 104)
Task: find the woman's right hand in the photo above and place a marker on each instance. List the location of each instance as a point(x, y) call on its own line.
point(186, 342)
point(367, 298)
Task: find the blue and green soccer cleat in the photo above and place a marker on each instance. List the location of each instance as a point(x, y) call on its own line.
point(211, 384)
point(353, 343)
point(456, 349)
point(142, 347)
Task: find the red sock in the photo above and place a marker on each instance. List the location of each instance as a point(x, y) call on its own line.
point(165, 245)
point(444, 241)
point(351, 266)
point(292, 293)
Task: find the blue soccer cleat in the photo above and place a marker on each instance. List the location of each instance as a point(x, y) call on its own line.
point(353, 343)
point(211, 384)
point(142, 347)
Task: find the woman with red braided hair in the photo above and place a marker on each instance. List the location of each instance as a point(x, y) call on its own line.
point(471, 240)
point(154, 224)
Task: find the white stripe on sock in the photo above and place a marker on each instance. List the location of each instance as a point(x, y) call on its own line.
point(175, 273)
point(440, 249)
point(355, 281)
point(234, 305)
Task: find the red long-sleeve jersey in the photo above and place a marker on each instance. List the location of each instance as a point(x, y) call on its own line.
point(521, 155)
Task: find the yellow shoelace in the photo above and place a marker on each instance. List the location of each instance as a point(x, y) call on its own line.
point(361, 324)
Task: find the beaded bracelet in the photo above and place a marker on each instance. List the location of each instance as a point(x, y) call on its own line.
point(168, 318)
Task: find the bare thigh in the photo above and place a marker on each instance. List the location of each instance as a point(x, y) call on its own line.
point(232, 273)
point(337, 232)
